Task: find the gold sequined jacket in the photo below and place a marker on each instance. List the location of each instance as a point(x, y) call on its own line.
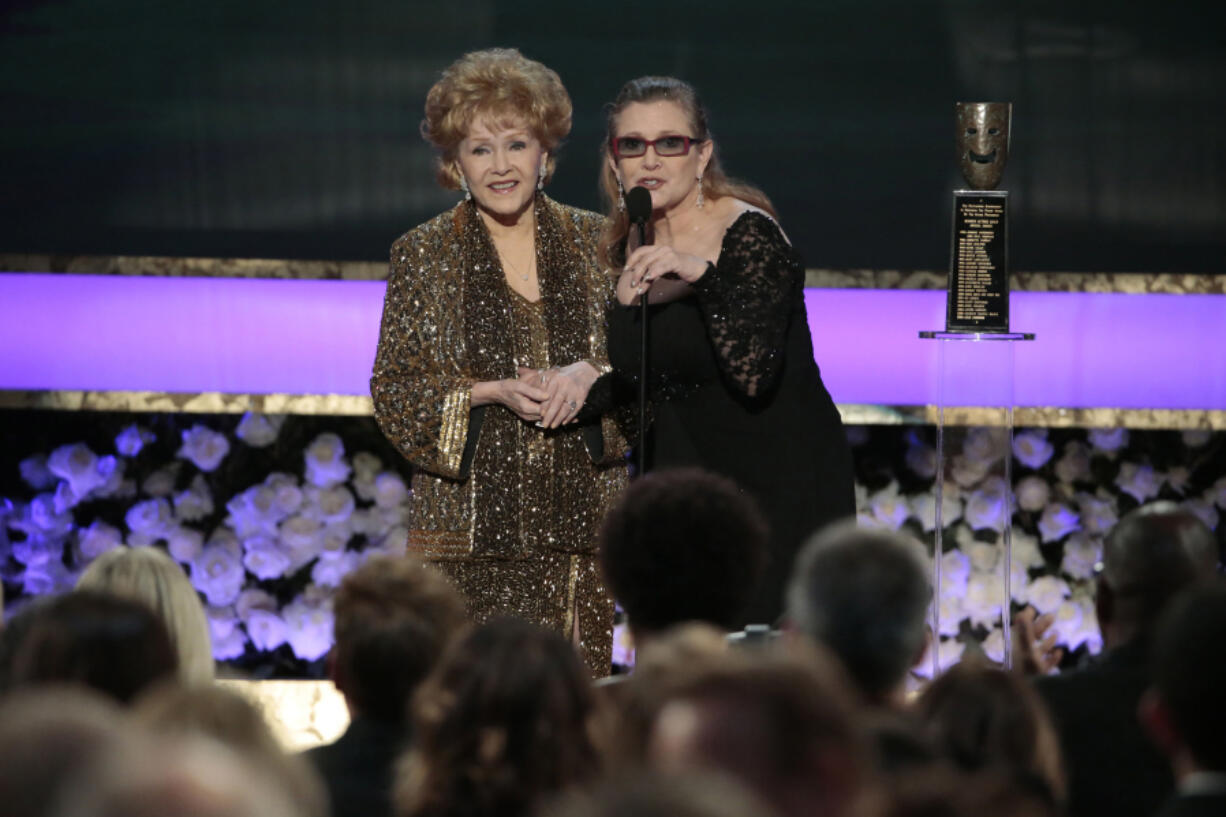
point(486, 483)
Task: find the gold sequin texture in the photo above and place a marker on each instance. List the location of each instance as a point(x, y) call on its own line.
point(508, 510)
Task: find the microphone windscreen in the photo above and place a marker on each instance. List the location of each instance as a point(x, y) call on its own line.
point(638, 205)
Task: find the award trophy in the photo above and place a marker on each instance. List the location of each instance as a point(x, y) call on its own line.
point(978, 299)
point(975, 359)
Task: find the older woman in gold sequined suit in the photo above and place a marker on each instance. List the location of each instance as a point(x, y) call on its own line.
point(492, 335)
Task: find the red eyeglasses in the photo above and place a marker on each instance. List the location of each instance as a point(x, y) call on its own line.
point(628, 147)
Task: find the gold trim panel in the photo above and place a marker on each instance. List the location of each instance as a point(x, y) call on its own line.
point(852, 413)
point(1127, 282)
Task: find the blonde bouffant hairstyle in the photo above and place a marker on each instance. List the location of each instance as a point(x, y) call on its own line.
point(503, 85)
point(148, 576)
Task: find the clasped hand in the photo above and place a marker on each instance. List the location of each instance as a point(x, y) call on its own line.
point(648, 263)
point(550, 397)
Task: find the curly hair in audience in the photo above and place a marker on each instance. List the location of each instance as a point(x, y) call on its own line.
point(502, 721)
point(682, 545)
point(500, 84)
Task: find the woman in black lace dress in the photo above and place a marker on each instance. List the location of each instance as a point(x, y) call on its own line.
point(734, 385)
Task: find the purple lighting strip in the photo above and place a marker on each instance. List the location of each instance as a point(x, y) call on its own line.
point(119, 333)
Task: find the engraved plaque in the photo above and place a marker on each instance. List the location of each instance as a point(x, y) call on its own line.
point(978, 299)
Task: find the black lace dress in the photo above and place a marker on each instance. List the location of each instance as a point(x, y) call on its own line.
point(735, 390)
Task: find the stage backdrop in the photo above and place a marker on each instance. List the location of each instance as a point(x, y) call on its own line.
point(233, 128)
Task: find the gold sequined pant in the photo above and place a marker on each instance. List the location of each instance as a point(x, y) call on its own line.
point(560, 591)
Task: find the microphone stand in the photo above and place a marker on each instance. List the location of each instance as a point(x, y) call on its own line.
point(642, 457)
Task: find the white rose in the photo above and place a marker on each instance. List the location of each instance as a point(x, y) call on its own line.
point(984, 556)
point(254, 511)
point(985, 594)
point(1074, 466)
point(334, 505)
point(113, 486)
point(330, 570)
point(1081, 553)
point(1201, 510)
point(223, 620)
point(259, 430)
point(886, 507)
point(218, 573)
point(955, 572)
point(1057, 521)
point(952, 614)
point(204, 447)
point(76, 465)
point(366, 465)
point(47, 578)
point(1138, 481)
point(64, 499)
point(309, 628)
point(232, 646)
point(325, 461)
point(1098, 514)
point(392, 517)
point(287, 493)
point(967, 472)
point(987, 507)
point(35, 551)
point(1197, 437)
point(1033, 493)
point(1066, 624)
point(365, 522)
point(1024, 549)
point(985, 444)
point(623, 646)
point(253, 599)
point(924, 506)
point(162, 481)
point(152, 518)
point(266, 629)
point(994, 645)
point(132, 439)
point(195, 503)
point(394, 543)
point(390, 490)
point(301, 538)
point(1032, 449)
point(97, 539)
point(1046, 593)
point(35, 473)
point(264, 559)
point(949, 653)
point(1108, 440)
point(41, 516)
point(224, 537)
point(184, 544)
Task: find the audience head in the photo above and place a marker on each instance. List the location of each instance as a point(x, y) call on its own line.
point(504, 720)
point(1186, 709)
point(864, 594)
point(682, 545)
point(946, 791)
point(393, 619)
point(1149, 556)
point(13, 634)
point(649, 794)
point(183, 776)
point(781, 723)
point(48, 737)
point(149, 576)
point(223, 715)
point(113, 645)
point(982, 717)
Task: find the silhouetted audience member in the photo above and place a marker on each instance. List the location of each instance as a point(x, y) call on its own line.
point(864, 595)
point(1185, 711)
point(48, 737)
point(781, 723)
point(947, 791)
point(650, 794)
point(983, 718)
point(1113, 768)
point(113, 645)
point(503, 722)
point(393, 618)
point(682, 545)
point(181, 776)
point(215, 712)
point(149, 576)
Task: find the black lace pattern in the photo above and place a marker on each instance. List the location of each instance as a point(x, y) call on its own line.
point(747, 301)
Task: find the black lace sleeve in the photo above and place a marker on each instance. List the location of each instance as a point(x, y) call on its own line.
point(747, 300)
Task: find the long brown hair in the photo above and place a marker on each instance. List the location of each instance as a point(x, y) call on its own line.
point(715, 182)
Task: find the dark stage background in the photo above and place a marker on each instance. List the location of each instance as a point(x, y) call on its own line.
point(289, 130)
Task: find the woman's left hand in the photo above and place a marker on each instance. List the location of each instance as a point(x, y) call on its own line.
point(646, 264)
point(567, 387)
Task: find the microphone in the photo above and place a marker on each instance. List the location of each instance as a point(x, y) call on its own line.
point(638, 208)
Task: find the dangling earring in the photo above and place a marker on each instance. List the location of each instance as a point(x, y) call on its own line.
point(540, 177)
point(699, 201)
point(468, 196)
point(621, 195)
